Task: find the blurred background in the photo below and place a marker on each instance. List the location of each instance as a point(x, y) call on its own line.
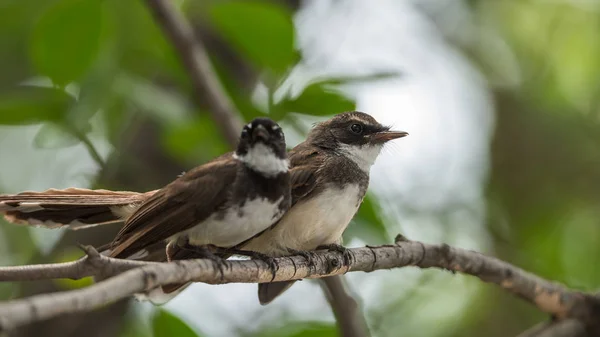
point(501, 100)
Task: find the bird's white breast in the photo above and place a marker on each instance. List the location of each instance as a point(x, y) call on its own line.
point(262, 159)
point(316, 221)
point(238, 224)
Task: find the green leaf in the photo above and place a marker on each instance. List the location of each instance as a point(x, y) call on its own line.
point(303, 329)
point(317, 99)
point(66, 39)
point(27, 104)
point(262, 31)
point(196, 141)
point(166, 106)
point(140, 44)
point(317, 330)
point(360, 78)
point(166, 324)
point(54, 136)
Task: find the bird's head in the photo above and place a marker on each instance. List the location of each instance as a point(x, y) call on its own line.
point(354, 134)
point(262, 147)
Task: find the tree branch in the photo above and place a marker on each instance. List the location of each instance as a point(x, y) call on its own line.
point(565, 328)
point(549, 297)
point(93, 264)
point(195, 59)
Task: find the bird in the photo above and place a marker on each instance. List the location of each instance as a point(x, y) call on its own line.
point(329, 179)
point(329, 176)
point(219, 204)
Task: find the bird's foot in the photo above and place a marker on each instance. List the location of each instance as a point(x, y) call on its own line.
point(308, 255)
point(346, 254)
point(208, 252)
point(269, 260)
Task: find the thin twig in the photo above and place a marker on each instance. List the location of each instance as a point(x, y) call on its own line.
point(549, 297)
point(345, 308)
point(83, 138)
point(195, 59)
point(93, 264)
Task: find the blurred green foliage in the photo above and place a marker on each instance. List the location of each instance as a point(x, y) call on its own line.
point(24, 105)
point(66, 39)
point(67, 255)
point(165, 324)
point(307, 329)
point(263, 32)
point(67, 62)
point(75, 60)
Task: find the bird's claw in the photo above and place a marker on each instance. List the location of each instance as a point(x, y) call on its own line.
point(309, 256)
point(207, 252)
point(346, 254)
point(269, 260)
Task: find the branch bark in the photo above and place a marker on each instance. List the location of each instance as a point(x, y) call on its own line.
point(565, 328)
point(551, 298)
point(196, 61)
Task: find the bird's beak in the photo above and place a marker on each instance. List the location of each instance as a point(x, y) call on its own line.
point(385, 136)
point(260, 133)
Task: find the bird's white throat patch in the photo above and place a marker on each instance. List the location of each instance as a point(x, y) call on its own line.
point(262, 159)
point(362, 155)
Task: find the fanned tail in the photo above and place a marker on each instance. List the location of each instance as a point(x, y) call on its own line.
point(73, 208)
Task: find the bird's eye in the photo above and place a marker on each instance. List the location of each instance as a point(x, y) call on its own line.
point(356, 128)
point(245, 133)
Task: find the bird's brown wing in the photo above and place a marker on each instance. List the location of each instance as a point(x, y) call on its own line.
point(180, 205)
point(305, 162)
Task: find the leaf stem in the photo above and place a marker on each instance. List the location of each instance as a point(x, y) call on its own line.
point(89, 146)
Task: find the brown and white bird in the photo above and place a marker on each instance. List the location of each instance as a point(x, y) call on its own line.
point(329, 178)
point(222, 203)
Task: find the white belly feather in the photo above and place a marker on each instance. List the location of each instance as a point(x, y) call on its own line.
point(317, 221)
point(238, 224)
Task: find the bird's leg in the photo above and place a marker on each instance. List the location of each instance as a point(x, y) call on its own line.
point(204, 252)
point(332, 247)
point(269, 260)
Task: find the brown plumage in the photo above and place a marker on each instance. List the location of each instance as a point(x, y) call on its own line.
point(180, 205)
point(221, 203)
point(74, 208)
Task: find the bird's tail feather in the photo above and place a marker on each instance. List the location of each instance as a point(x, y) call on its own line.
point(73, 208)
point(165, 293)
point(267, 292)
